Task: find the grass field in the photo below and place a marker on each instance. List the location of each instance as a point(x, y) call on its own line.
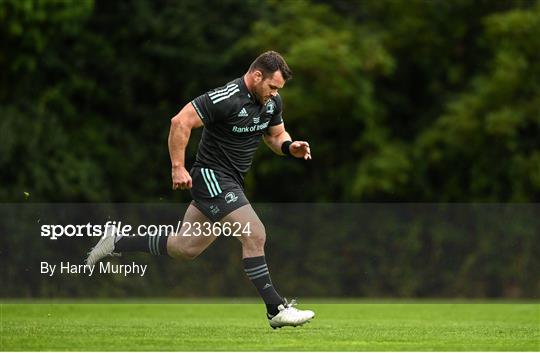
point(239, 327)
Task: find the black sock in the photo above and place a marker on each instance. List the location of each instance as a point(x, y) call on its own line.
point(257, 271)
point(155, 245)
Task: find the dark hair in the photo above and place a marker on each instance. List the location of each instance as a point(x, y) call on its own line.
point(270, 62)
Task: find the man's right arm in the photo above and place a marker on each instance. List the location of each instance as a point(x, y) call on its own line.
point(181, 126)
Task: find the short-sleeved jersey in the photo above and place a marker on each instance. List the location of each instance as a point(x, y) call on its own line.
point(234, 123)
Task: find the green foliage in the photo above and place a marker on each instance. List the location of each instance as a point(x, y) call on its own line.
point(29, 28)
point(37, 156)
point(417, 101)
point(490, 133)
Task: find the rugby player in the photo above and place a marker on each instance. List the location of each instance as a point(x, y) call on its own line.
point(235, 117)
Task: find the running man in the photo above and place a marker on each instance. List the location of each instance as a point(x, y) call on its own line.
point(235, 117)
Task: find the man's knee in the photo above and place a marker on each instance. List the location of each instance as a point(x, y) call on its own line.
point(182, 251)
point(190, 252)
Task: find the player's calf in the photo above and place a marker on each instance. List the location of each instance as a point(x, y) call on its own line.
point(253, 245)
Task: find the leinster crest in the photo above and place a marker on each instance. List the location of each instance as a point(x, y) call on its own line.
point(231, 197)
point(270, 107)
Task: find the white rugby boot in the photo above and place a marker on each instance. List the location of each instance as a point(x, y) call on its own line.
point(104, 247)
point(290, 316)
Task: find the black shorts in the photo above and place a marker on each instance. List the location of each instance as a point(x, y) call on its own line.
point(215, 194)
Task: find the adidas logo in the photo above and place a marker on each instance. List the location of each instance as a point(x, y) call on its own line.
point(243, 113)
point(267, 285)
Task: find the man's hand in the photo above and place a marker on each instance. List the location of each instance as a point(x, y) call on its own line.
point(300, 149)
point(181, 178)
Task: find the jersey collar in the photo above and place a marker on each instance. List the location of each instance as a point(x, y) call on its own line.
point(245, 90)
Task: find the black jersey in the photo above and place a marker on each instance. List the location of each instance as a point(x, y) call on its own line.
point(234, 123)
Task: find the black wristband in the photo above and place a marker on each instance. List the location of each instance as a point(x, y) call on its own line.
point(285, 148)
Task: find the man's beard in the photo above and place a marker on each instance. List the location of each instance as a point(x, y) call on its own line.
point(259, 97)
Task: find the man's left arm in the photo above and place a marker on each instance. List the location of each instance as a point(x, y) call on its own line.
point(275, 138)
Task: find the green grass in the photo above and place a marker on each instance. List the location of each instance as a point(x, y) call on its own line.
point(240, 327)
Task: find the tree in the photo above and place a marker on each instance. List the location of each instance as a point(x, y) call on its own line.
point(485, 147)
